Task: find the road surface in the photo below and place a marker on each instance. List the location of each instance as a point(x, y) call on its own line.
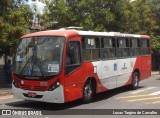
point(147, 96)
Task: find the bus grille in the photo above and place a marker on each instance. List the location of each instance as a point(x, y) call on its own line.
point(34, 88)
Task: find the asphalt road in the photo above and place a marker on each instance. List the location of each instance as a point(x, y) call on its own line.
point(147, 96)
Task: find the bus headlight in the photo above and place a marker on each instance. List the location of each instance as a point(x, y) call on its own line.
point(54, 86)
point(15, 84)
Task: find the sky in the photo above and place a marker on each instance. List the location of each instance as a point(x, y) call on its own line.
point(40, 5)
point(132, 0)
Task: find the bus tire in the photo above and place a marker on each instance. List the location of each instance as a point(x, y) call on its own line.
point(88, 91)
point(135, 81)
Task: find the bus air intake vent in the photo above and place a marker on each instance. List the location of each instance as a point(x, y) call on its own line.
point(34, 88)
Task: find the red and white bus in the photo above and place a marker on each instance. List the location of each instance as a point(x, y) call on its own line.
point(59, 66)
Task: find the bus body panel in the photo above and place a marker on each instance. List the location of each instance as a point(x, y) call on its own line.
point(109, 73)
point(146, 67)
point(40, 88)
point(74, 82)
point(38, 85)
point(120, 74)
point(124, 71)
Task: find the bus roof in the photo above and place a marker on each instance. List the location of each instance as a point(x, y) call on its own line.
point(69, 33)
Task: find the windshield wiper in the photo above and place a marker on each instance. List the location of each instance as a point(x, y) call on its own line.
point(39, 64)
point(25, 65)
point(34, 60)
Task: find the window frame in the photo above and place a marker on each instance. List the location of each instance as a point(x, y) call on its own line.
point(127, 47)
point(138, 47)
point(74, 66)
point(91, 36)
point(80, 52)
point(128, 41)
point(109, 37)
point(148, 46)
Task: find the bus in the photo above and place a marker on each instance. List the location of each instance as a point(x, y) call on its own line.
point(63, 65)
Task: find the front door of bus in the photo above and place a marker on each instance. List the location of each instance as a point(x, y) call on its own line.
point(73, 71)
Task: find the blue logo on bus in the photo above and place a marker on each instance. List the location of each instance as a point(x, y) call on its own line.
point(115, 67)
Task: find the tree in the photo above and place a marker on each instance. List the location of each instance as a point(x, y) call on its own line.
point(88, 14)
point(137, 17)
point(15, 17)
point(148, 20)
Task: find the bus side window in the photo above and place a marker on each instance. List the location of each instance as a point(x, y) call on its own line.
point(73, 53)
point(91, 48)
point(73, 56)
point(134, 48)
point(108, 48)
point(123, 47)
point(145, 47)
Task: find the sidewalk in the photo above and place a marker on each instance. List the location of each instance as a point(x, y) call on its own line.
point(5, 85)
point(4, 81)
point(5, 91)
point(155, 73)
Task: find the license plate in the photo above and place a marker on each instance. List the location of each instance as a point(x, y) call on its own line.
point(31, 94)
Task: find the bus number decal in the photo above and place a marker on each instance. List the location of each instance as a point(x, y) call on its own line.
point(53, 67)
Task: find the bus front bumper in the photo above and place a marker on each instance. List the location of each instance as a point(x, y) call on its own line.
point(55, 96)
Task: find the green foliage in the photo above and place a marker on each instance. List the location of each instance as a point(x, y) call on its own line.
point(88, 14)
point(15, 17)
point(138, 17)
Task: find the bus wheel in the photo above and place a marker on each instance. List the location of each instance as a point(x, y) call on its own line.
point(88, 92)
point(135, 80)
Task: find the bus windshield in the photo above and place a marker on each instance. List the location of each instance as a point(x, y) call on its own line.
point(39, 56)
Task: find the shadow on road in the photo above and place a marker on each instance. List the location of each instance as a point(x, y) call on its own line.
point(158, 79)
point(113, 92)
point(54, 106)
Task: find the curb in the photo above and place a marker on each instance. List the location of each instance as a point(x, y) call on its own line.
point(155, 73)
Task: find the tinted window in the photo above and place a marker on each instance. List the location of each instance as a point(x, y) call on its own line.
point(91, 48)
point(107, 43)
point(90, 43)
point(134, 43)
point(145, 47)
point(73, 53)
point(73, 57)
point(108, 48)
point(123, 47)
point(122, 43)
point(135, 48)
